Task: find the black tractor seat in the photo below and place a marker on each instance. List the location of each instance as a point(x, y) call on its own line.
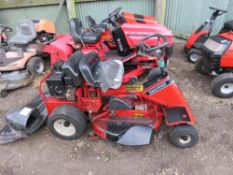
point(25, 33)
point(80, 35)
point(89, 66)
point(99, 28)
point(228, 25)
point(71, 68)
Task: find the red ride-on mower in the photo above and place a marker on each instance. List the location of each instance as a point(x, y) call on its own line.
point(199, 36)
point(86, 88)
point(108, 43)
point(132, 28)
point(217, 61)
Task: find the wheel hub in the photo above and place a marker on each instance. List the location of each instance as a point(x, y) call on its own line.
point(227, 88)
point(184, 139)
point(194, 57)
point(64, 127)
point(39, 68)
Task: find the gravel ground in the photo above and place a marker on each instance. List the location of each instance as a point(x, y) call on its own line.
point(43, 153)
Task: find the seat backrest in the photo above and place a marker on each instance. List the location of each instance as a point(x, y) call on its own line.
point(71, 67)
point(26, 27)
point(111, 74)
point(89, 68)
point(76, 28)
point(25, 33)
point(91, 21)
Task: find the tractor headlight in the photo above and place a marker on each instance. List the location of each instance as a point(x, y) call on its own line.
point(218, 47)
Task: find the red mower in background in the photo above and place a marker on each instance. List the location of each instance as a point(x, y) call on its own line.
point(134, 28)
point(120, 41)
point(199, 36)
point(87, 88)
point(217, 60)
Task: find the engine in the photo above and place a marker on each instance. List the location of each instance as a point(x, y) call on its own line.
point(65, 78)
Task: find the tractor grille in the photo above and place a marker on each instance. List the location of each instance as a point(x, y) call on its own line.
point(210, 63)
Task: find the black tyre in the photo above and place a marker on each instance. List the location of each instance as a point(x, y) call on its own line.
point(199, 67)
point(67, 122)
point(222, 85)
point(36, 65)
point(183, 136)
point(3, 93)
point(194, 55)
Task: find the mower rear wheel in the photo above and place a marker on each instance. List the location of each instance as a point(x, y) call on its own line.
point(199, 67)
point(194, 55)
point(36, 65)
point(67, 122)
point(3, 93)
point(183, 136)
point(222, 85)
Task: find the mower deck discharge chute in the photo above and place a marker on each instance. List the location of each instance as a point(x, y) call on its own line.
point(24, 121)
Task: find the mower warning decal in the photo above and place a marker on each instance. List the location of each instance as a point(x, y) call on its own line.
point(159, 87)
point(136, 88)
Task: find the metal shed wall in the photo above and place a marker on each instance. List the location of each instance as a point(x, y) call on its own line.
point(183, 16)
point(98, 9)
point(11, 16)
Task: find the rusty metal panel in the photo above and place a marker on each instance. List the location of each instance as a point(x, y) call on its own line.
point(183, 16)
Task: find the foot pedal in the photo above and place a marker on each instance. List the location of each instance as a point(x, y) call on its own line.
point(176, 115)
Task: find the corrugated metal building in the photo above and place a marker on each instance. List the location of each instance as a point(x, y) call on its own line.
point(98, 9)
point(182, 16)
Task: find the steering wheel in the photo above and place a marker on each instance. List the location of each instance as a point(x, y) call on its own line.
point(217, 9)
point(112, 14)
point(4, 28)
point(148, 49)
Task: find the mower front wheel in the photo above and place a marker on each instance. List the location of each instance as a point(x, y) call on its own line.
point(183, 136)
point(36, 65)
point(67, 122)
point(222, 85)
point(194, 55)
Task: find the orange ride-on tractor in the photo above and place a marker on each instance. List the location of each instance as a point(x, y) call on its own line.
point(21, 56)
